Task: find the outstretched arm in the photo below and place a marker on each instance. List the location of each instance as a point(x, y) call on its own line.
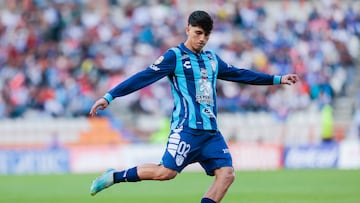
point(162, 67)
point(132, 84)
point(234, 74)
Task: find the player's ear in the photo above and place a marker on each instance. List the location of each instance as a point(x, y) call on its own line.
point(187, 29)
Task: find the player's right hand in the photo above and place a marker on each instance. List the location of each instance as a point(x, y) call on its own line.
point(99, 104)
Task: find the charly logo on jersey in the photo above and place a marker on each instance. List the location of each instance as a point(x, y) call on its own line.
point(204, 94)
point(187, 64)
point(177, 148)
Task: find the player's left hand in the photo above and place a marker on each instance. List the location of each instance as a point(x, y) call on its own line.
point(289, 79)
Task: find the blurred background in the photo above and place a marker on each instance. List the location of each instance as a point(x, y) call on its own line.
point(58, 57)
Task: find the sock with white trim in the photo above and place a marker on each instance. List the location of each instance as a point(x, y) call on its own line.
point(129, 175)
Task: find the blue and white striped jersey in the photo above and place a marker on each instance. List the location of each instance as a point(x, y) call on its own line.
point(193, 82)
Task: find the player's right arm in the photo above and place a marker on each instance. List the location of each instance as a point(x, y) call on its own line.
point(162, 67)
point(232, 73)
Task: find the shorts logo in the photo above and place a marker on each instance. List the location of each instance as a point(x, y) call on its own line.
point(178, 149)
point(226, 151)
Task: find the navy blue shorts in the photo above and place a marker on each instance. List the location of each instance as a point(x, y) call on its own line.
point(187, 146)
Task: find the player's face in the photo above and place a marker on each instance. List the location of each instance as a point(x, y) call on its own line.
point(196, 38)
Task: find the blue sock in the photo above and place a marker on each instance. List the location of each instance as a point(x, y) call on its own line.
point(129, 175)
point(207, 200)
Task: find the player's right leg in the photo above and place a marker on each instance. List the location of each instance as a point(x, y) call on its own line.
point(142, 172)
point(104, 181)
point(155, 172)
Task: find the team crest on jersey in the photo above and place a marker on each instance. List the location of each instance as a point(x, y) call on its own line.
point(185, 56)
point(179, 160)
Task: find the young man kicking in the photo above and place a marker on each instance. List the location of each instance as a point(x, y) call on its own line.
point(194, 135)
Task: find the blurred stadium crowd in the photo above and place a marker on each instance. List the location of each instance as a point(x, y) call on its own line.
point(57, 57)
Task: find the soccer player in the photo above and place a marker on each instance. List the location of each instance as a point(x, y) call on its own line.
point(194, 135)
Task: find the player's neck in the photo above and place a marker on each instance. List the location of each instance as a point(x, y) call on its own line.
point(188, 45)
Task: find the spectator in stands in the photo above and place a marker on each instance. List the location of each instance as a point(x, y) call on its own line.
point(355, 124)
point(327, 124)
point(68, 51)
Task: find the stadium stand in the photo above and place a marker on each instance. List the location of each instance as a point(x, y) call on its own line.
point(41, 132)
point(57, 57)
point(100, 132)
point(60, 132)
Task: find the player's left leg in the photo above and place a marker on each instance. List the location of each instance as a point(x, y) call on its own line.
point(216, 160)
point(224, 177)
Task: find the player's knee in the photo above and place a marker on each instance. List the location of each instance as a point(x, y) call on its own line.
point(166, 174)
point(230, 177)
point(227, 175)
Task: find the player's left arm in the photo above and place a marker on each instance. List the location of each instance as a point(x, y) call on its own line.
point(162, 67)
point(234, 74)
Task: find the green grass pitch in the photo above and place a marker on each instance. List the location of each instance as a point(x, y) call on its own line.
point(283, 186)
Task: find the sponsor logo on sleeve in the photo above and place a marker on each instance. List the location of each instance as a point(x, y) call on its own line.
point(157, 62)
point(154, 67)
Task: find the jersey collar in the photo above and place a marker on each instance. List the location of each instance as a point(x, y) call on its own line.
point(188, 51)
